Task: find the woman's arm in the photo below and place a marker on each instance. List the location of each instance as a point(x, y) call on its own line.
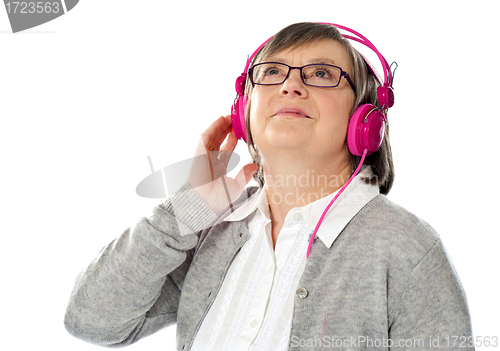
point(132, 288)
point(433, 311)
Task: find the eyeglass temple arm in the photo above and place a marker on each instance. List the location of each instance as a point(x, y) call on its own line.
point(346, 76)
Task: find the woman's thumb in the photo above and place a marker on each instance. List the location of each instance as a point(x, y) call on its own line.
point(246, 174)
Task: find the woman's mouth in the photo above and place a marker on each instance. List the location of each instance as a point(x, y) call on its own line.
point(291, 113)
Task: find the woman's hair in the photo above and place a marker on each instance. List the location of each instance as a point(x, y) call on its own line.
point(364, 80)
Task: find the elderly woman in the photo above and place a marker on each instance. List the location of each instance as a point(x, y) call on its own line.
point(313, 258)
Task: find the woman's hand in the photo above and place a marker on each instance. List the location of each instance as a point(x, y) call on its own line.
point(208, 176)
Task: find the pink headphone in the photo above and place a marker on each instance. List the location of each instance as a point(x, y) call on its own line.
point(367, 124)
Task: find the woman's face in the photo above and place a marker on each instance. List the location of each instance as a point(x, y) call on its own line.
point(294, 116)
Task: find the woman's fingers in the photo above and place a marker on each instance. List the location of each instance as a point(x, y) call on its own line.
point(226, 129)
point(217, 132)
point(227, 149)
point(214, 137)
point(231, 141)
point(210, 133)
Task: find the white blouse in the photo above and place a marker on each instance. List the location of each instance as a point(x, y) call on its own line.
point(253, 309)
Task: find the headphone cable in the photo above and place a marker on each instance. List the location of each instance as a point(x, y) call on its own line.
point(335, 198)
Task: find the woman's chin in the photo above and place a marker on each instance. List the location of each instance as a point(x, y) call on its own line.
point(287, 139)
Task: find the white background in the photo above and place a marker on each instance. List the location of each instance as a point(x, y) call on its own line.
point(85, 99)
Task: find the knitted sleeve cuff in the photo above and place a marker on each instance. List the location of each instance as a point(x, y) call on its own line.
point(189, 209)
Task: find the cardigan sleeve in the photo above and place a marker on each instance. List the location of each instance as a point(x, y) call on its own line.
point(433, 312)
point(132, 288)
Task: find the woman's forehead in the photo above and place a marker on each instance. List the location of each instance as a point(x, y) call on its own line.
point(320, 51)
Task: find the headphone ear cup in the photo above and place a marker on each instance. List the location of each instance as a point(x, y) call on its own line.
point(238, 110)
point(238, 117)
point(366, 130)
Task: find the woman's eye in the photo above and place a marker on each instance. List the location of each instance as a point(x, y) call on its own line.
point(321, 73)
point(273, 71)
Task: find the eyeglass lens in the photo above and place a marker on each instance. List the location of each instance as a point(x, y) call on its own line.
point(316, 74)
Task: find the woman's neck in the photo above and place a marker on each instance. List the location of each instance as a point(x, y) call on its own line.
point(297, 182)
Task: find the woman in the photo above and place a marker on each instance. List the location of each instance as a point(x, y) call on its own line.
point(237, 274)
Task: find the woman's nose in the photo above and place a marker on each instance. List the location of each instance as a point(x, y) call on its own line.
point(293, 85)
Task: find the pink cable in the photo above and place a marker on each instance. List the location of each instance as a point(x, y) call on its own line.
point(335, 198)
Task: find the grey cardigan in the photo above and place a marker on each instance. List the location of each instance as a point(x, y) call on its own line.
point(385, 281)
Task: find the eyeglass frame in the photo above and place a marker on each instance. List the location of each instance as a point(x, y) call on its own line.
point(342, 74)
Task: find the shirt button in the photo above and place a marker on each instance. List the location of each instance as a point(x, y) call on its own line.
point(254, 323)
point(271, 269)
point(302, 293)
point(297, 216)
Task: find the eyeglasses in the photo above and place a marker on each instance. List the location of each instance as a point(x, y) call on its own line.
point(315, 75)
